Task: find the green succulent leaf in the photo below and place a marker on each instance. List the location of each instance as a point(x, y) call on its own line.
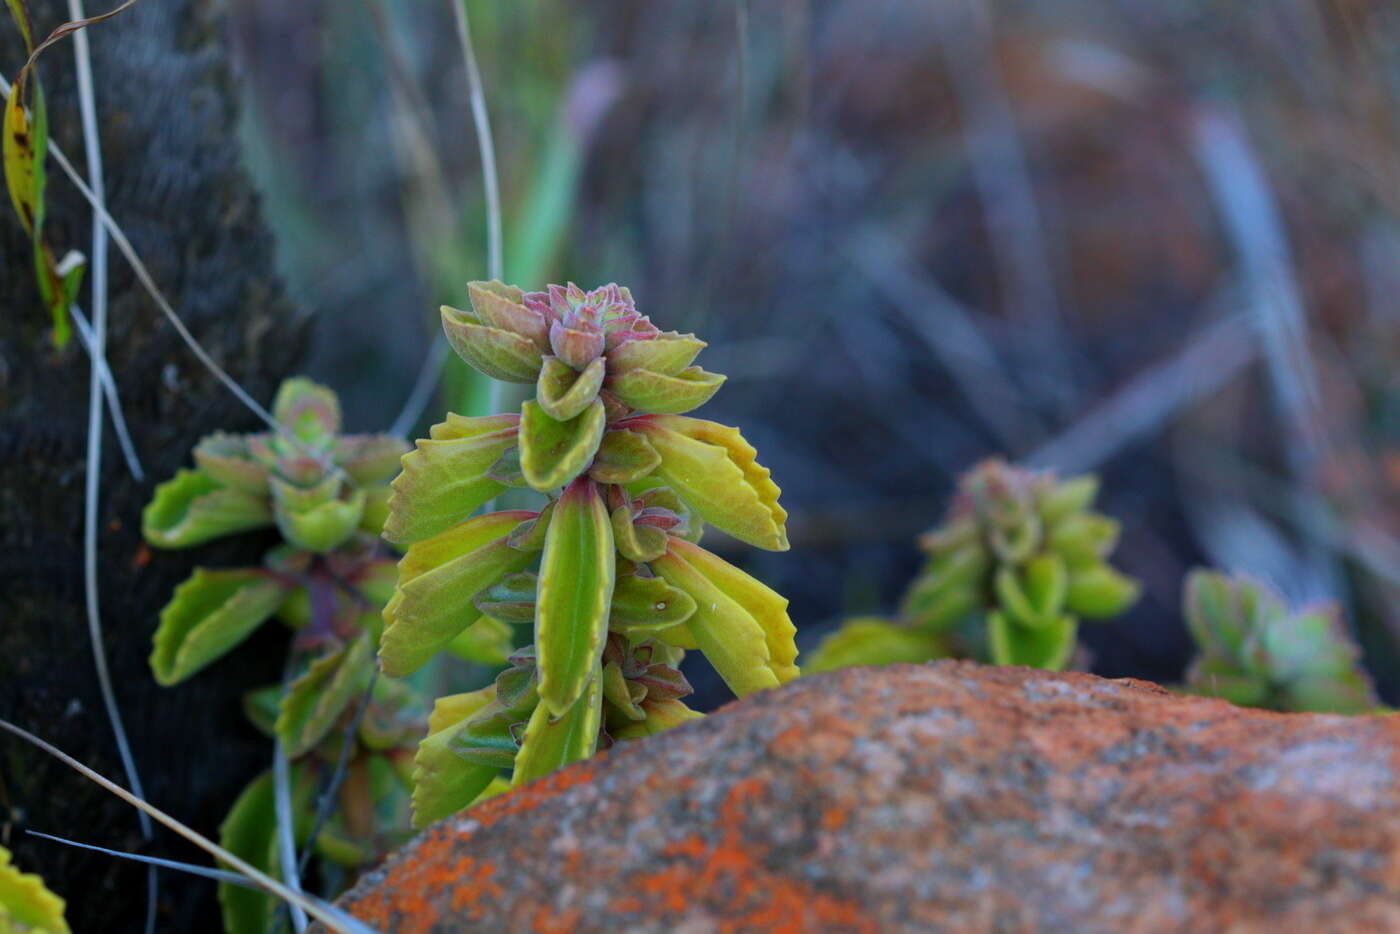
point(623, 457)
point(660, 716)
point(1083, 539)
point(316, 526)
point(643, 605)
point(486, 642)
point(370, 460)
point(209, 614)
point(733, 641)
point(714, 471)
point(495, 352)
point(26, 904)
point(192, 508)
point(227, 459)
point(1067, 497)
point(502, 306)
point(640, 543)
point(1100, 592)
point(316, 700)
point(553, 452)
point(623, 696)
point(576, 581)
point(563, 392)
point(652, 392)
point(553, 741)
point(310, 411)
point(438, 579)
point(872, 641)
point(250, 833)
point(529, 535)
point(1047, 646)
point(511, 599)
point(443, 782)
point(666, 354)
point(376, 509)
point(448, 476)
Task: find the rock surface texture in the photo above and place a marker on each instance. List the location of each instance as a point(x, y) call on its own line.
point(946, 797)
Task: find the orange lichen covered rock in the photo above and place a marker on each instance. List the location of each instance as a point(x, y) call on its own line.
point(944, 797)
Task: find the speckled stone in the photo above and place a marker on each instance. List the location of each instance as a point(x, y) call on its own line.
point(944, 797)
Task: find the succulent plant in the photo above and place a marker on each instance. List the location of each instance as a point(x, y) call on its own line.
point(327, 495)
point(1018, 560)
point(611, 555)
point(26, 905)
point(474, 738)
point(1256, 652)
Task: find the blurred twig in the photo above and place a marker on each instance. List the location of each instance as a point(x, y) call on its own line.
point(1001, 173)
point(949, 332)
point(1211, 358)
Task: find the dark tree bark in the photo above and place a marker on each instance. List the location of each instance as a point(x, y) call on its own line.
point(168, 129)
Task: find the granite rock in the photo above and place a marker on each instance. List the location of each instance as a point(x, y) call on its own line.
point(943, 797)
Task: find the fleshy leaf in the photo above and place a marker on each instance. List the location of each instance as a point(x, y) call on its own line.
point(660, 716)
point(766, 606)
point(309, 410)
point(316, 700)
point(486, 642)
point(647, 391)
point(872, 641)
point(370, 460)
point(226, 458)
point(443, 782)
point(376, 509)
point(446, 477)
point(636, 542)
point(731, 639)
point(552, 453)
point(529, 535)
point(438, 577)
point(318, 527)
point(622, 696)
point(192, 508)
point(575, 592)
point(502, 306)
point(208, 615)
point(666, 354)
point(511, 599)
point(250, 833)
point(563, 392)
point(497, 353)
point(623, 457)
point(1099, 592)
point(552, 742)
point(1048, 647)
point(26, 904)
point(714, 471)
point(1067, 497)
point(647, 604)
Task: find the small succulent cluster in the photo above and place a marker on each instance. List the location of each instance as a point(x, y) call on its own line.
point(1020, 558)
point(607, 573)
point(1256, 652)
point(327, 496)
point(26, 904)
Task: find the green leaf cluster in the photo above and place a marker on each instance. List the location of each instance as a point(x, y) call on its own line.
point(609, 564)
point(1020, 558)
point(1256, 652)
point(26, 905)
point(327, 495)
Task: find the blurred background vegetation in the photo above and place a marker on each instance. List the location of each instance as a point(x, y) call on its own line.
point(1154, 240)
